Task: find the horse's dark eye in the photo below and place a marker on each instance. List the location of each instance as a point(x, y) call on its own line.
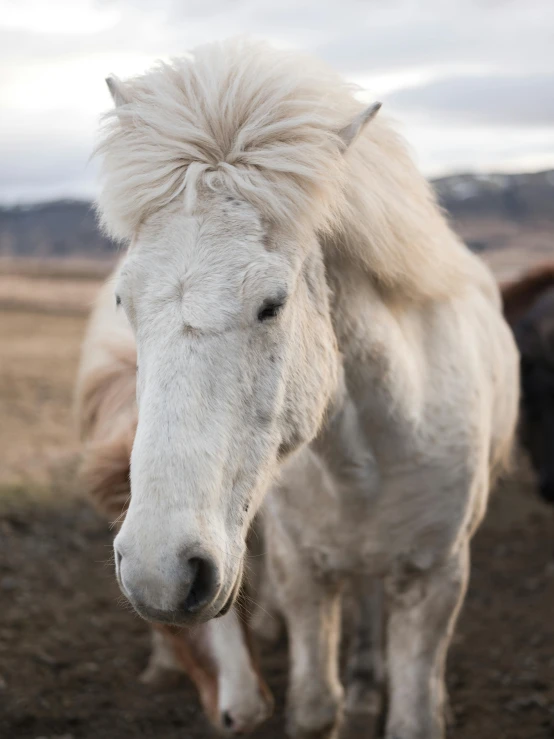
point(269, 310)
point(117, 300)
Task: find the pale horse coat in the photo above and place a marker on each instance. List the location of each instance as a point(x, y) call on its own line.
point(217, 656)
point(387, 402)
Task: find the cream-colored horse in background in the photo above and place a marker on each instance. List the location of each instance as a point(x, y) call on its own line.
point(217, 656)
point(302, 311)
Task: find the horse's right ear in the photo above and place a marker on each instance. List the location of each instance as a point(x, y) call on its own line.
point(350, 133)
point(117, 91)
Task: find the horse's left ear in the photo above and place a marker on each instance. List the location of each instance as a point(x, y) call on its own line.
point(350, 133)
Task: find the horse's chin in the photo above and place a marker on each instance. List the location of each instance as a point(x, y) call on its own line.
point(222, 605)
point(233, 595)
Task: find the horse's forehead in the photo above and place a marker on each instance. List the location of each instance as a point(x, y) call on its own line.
point(222, 228)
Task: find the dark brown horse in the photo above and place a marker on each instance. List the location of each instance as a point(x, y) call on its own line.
point(529, 308)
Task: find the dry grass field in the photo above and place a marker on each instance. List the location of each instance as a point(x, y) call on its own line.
point(42, 318)
point(70, 655)
point(513, 247)
point(43, 309)
point(39, 359)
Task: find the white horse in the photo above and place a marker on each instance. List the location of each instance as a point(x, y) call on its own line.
point(301, 306)
point(217, 656)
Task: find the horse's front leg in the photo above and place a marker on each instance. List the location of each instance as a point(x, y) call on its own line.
point(423, 607)
point(311, 608)
point(365, 669)
point(163, 669)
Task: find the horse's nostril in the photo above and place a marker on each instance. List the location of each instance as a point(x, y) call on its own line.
point(227, 720)
point(203, 583)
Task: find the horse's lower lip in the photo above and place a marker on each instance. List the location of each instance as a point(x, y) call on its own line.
point(232, 597)
point(226, 608)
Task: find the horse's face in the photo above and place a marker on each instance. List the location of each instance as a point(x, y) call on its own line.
point(535, 339)
point(237, 365)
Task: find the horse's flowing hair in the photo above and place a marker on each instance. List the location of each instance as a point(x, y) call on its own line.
point(107, 418)
point(263, 124)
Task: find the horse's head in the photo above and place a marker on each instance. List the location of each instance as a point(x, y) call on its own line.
point(237, 365)
point(224, 180)
point(535, 338)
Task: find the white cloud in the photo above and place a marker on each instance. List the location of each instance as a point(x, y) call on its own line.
point(522, 100)
point(470, 80)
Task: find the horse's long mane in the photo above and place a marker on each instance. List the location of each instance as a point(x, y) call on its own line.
point(519, 295)
point(107, 418)
point(264, 124)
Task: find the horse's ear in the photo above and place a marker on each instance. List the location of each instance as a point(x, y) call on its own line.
point(350, 133)
point(117, 91)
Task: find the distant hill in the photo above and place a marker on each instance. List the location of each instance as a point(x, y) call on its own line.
point(518, 197)
point(68, 227)
point(57, 229)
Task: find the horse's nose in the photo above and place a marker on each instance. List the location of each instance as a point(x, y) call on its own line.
point(231, 725)
point(227, 720)
point(242, 719)
point(168, 595)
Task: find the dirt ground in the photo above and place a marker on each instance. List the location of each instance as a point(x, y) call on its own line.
point(70, 652)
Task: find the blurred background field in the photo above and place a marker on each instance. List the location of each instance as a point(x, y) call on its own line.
point(471, 84)
point(70, 655)
point(43, 309)
point(53, 260)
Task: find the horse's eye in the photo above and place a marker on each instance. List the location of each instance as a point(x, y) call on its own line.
point(117, 300)
point(269, 310)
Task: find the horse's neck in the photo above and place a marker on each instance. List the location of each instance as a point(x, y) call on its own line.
point(381, 354)
point(345, 452)
point(391, 227)
point(384, 348)
point(370, 324)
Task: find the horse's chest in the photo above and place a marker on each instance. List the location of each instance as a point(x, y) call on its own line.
point(375, 546)
point(341, 535)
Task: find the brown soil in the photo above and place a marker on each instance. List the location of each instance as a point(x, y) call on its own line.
point(70, 653)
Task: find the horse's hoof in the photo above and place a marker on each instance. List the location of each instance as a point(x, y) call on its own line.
point(321, 723)
point(360, 725)
point(160, 678)
point(363, 700)
point(294, 731)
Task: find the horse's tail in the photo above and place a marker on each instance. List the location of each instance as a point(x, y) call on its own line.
point(518, 295)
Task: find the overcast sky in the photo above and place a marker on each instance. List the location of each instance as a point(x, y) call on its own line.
point(470, 82)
